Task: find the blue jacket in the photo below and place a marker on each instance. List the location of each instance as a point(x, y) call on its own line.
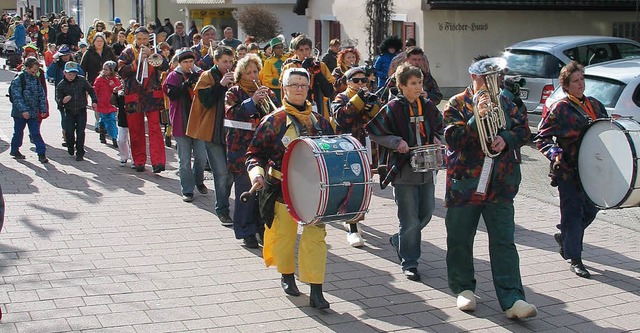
point(32, 99)
point(382, 67)
point(20, 36)
point(55, 71)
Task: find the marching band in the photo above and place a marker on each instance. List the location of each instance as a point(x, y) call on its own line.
point(265, 125)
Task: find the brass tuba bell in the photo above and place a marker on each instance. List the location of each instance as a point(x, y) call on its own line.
point(490, 123)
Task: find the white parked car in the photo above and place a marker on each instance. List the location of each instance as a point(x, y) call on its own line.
point(616, 84)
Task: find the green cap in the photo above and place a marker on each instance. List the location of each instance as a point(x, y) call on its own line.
point(275, 41)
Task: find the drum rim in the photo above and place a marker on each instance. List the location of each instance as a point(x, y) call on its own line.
point(286, 195)
point(634, 157)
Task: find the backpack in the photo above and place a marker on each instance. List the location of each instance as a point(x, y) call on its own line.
point(23, 83)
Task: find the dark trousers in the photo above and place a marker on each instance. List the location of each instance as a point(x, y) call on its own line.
point(246, 217)
point(19, 124)
point(461, 223)
point(576, 214)
point(74, 124)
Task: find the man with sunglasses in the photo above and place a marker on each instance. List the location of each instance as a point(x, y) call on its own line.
point(351, 110)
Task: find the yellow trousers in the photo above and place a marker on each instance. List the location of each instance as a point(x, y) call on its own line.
point(280, 244)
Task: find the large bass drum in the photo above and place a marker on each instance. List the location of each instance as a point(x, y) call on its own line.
point(608, 163)
point(326, 179)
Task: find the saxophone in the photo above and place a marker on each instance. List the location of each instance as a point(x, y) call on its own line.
point(493, 120)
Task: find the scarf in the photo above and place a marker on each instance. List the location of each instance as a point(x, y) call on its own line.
point(584, 105)
point(248, 86)
point(301, 113)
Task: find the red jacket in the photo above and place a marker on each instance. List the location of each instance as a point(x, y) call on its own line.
point(104, 88)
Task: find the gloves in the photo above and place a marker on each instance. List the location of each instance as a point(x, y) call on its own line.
point(307, 63)
point(193, 78)
point(362, 94)
point(554, 152)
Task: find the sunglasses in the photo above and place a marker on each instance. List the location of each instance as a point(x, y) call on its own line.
point(359, 80)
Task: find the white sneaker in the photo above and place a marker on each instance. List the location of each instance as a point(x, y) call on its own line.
point(355, 239)
point(466, 301)
point(521, 310)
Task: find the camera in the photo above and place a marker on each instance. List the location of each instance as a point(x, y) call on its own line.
point(514, 83)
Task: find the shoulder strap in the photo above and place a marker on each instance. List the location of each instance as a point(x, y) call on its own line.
point(580, 111)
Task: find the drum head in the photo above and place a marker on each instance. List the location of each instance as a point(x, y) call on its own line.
point(302, 192)
point(606, 163)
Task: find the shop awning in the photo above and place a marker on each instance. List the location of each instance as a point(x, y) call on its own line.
point(200, 2)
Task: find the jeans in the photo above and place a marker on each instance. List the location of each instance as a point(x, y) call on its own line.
point(246, 217)
point(461, 223)
point(190, 177)
point(217, 156)
point(415, 208)
point(19, 124)
point(75, 122)
point(108, 120)
point(576, 214)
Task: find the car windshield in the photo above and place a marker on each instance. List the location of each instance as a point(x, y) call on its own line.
point(532, 63)
point(605, 90)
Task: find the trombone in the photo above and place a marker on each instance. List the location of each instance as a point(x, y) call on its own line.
point(154, 60)
point(266, 104)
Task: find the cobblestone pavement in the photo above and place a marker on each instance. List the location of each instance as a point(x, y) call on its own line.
point(94, 247)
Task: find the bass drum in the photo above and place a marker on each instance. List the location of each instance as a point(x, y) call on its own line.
point(326, 179)
point(608, 163)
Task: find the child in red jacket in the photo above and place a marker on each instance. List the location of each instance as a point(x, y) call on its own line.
point(105, 84)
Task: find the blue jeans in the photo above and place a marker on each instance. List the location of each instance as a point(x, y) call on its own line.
point(109, 121)
point(576, 214)
point(415, 208)
point(190, 177)
point(217, 156)
point(19, 124)
point(246, 217)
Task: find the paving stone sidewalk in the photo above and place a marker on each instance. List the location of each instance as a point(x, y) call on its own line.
point(94, 247)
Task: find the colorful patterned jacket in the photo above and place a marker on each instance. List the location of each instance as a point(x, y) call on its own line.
point(465, 157)
point(239, 107)
point(347, 111)
point(144, 97)
point(273, 135)
point(395, 119)
point(563, 127)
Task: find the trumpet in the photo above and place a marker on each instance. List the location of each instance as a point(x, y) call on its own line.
point(490, 123)
point(266, 104)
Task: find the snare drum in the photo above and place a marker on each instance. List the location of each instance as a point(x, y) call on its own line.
point(608, 163)
point(326, 179)
point(428, 158)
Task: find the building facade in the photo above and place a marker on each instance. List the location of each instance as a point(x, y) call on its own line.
point(453, 32)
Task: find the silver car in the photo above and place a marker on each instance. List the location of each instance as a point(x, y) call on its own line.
point(539, 61)
point(616, 84)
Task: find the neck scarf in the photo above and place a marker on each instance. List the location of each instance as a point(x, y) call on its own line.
point(584, 105)
point(304, 117)
point(248, 86)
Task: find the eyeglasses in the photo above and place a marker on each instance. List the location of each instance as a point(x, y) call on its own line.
point(358, 80)
point(298, 86)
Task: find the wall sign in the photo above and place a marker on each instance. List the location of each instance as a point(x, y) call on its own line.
point(452, 26)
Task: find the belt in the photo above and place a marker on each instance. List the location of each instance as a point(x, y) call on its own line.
point(243, 125)
point(274, 173)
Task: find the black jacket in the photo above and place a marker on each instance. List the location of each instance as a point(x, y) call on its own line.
point(92, 61)
point(78, 90)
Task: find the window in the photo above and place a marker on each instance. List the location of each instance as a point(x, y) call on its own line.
point(628, 50)
point(626, 30)
point(590, 54)
point(606, 91)
point(532, 63)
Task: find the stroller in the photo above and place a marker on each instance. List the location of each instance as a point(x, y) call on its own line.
point(10, 51)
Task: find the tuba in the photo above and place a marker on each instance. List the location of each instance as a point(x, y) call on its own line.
point(490, 123)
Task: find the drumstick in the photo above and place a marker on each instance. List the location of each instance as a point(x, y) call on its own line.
point(244, 197)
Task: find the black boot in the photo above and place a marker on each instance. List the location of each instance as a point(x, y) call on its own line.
point(288, 283)
point(103, 133)
point(316, 299)
point(578, 267)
